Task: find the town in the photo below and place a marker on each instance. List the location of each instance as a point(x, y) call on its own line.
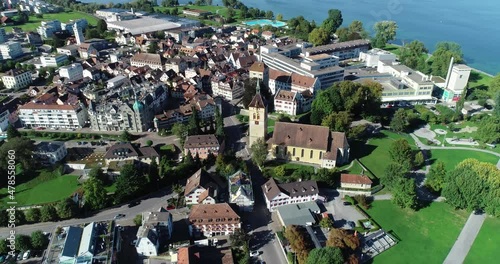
point(162, 133)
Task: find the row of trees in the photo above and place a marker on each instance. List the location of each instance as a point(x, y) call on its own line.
point(346, 100)
point(64, 209)
point(37, 241)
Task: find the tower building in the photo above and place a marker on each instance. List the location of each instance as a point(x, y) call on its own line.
point(257, 111)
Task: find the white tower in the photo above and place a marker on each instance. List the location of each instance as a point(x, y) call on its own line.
point(78, 34)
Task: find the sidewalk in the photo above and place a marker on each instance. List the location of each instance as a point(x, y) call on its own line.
point(465, 240)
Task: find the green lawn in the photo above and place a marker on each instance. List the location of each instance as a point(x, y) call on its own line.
point(375, 154)
point(49, 191)
point(452, 157)
point(34, 22)
point(270, 125)
point(479, 79)
point(426, 236)
point(486, 245)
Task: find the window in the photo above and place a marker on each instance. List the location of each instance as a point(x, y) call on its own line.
point(320, 154)
point(311, 155)
point(293, 152)
point(302, 153)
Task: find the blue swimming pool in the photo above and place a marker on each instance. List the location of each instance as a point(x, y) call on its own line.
point(263, 22)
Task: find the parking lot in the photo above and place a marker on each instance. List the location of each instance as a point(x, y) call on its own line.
point(342, 214)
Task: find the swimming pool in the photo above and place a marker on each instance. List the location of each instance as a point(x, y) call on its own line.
point(263, 22)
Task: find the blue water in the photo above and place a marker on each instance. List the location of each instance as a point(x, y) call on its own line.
point(264, 22)
point(475, 25)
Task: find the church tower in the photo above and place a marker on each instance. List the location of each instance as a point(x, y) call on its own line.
point(257, 112)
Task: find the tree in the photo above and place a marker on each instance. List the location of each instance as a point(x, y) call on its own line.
point(330, 255)
point(181, 131)
point(219, 124)
point(193, 126)
point(279, 171)
point(344, 240)
point(3, 246)
point(149, 143)
point(419, 159)
point(23, 242)
point(48, 213)
point(230, 14)
point(326, 222)
point(393, 173)
point(33, 215)
point(91, 33)
point(319, 36)
point(489, 130)
point(259, 152)
point(442, 55)
point(279, 17)
point(125, 136)
point(23, 148)
point(399, 122)
point(385, 31)
point(101, 26)
point(138, 220)
point(327, 176)
point(96, 172)
point(436, 177)
point(269, 14)
point(95, 193)
point(12, 132)
point(66, 208)
point(39, 241)
point(129, 183)
point(300, 241)
point(153, 47)
point(411, 55)
point(337, 121)
point(401, 152)
point(239, 238)
point(342, 34)
point(363, 201)
point(404, 194)
point(333, 21)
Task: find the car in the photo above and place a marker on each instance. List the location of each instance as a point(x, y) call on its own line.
point(478, 212)
point(254, 253)
point(118, 216)
point(347, 203)
point(2, 258)
point(170, 207)
point(20, 256)
point(133, 242)
point(132, 204)
point(26, 255)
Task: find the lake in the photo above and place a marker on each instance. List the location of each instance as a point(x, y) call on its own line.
point(473, 24)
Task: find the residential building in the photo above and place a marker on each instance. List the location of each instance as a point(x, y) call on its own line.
point(69, 50)
point(301, 214)
point(260, 71)
point(289, 59)
point(456, 82)
point(202, 188)
point(372, 57)
point(16, 79)
point(65, 116)
point(154, 61)
point(48, 28)
point(55, 60)
point(117, 81)
point(155, 227)
point(241, 191)
point(10, 50)
point(286, 102)
point(88, 247)
point(79, 245)
point(50, 152)
point(4, 119)
point(343, 50)
point(3, 36)
point(119, 116)
point(72, 73)
point(34, 38)
point(203, 103)
point(202, 146)
point(213, 220)
point(289, 193)
point(71, 245)
point(257, 110)
point(127, 151)
point(354, 181)
point(309, 144)
point(203, 254)
point(228, 89)
point(92, 73)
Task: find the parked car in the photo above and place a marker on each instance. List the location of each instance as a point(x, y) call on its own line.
point(347, 203)
point(132, 204)
point(118, 216)
point(20, 256)
point(26, 254)
point(254, 253)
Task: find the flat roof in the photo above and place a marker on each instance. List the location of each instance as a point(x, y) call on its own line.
point(151, 23)
point(72, 242)
point(298, 214)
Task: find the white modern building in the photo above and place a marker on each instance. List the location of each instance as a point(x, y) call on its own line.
point(65, 116)
point(50, 151)
point(16, 79)
point(372, 57)
point(77, 30)
point(10, 50)
point(48, 28)
point(55, 60)
point(73, 72)
point(289, 193)
point(456, 81)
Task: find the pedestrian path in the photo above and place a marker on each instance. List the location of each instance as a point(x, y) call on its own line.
point(465, 240)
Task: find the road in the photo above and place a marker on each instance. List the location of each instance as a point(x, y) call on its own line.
point(149, 204)
point(465, 240)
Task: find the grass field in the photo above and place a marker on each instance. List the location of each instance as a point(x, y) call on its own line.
point(479, 80)
point(48, 191)
point(452, 157)
point(486, 245)
point(375, 154)
point(270, 125)
point(426, 236)
point(34, 22)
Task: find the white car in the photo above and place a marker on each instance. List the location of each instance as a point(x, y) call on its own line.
point(254, 253)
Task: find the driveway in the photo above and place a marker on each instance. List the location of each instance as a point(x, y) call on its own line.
point(465, 240)
point(341, 213)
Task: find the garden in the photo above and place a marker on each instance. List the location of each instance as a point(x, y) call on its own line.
point(64, 17)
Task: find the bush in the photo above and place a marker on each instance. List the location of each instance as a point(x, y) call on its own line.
point(363, 201)
point(149, 143)
point(350, 199)
point(138, 220)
